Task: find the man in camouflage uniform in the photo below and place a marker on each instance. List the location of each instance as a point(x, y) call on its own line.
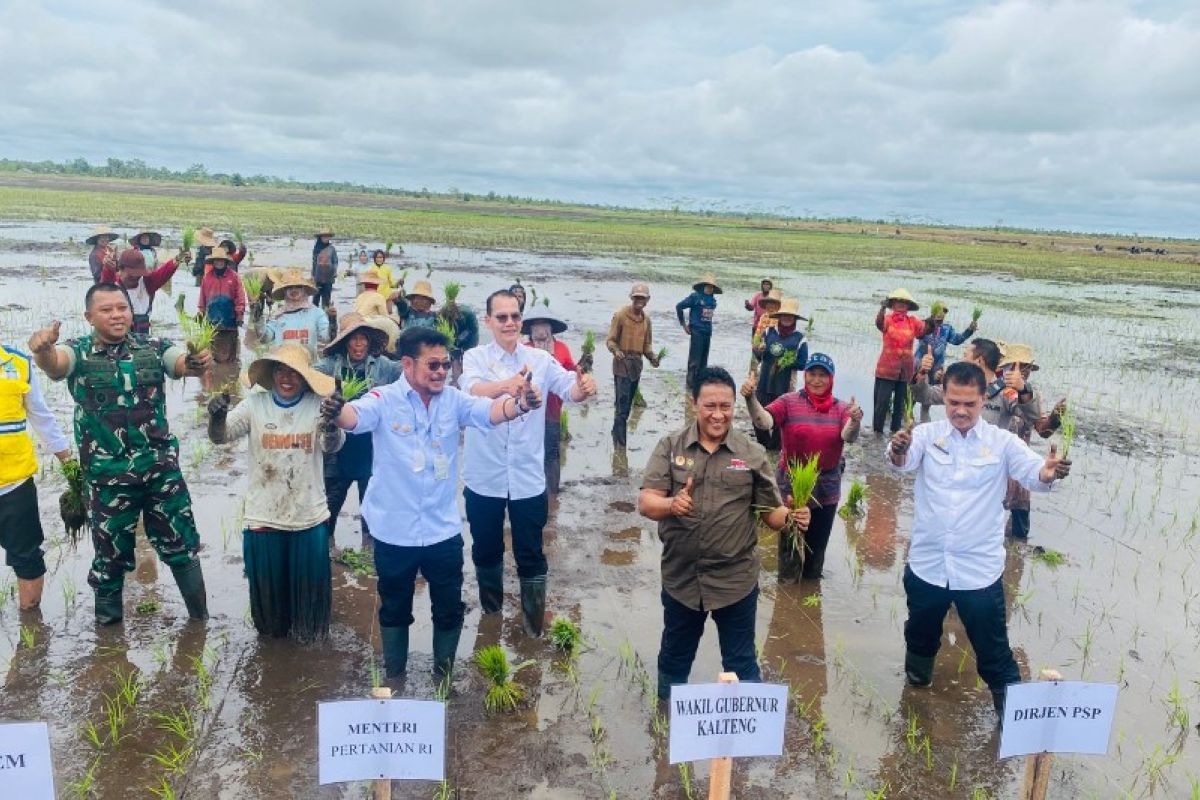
point(130, 459)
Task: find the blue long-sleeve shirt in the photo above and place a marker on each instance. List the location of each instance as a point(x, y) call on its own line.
point(936, 343)
point(701, 308)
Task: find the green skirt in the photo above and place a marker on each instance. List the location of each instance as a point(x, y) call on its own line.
point(291, 580)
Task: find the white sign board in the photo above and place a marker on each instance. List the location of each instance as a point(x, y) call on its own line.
point(1058, 717)
point(714, 720)
point(370, 739)
point(25, 767)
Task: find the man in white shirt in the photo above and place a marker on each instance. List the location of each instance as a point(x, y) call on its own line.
point(957, 551)
point(411, 505)
point(504, 468)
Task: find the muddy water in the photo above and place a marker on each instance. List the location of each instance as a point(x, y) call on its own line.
point(1123, 608)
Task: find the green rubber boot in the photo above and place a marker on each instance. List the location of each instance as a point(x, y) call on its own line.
point(109, 607)
point(445, 646)
point(190, 580)
point(395, 650)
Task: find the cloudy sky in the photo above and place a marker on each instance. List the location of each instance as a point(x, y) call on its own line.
point(1082, 115)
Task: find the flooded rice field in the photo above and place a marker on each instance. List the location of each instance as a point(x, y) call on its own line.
point(214, 711)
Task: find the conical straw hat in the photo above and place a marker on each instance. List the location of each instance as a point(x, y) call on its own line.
point(295, 356)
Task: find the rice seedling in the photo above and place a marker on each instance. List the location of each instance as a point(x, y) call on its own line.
point(85, 785)
point(387, 248)
point(452, 291)
point(564, 426)
point(566, 636)
point(446, 328)
point(28, 637)
point(786, 361)
point(811, 600)
point(854, 500)
point(685, 780)
point(189, 239)
point(253, 284)
point(238, 235)
point(91, 734)
point(353, 386)
point(1066, 428)
point(198, 332)
point(70, 503)
point(661, 356)
point(1051, 558)
point(502, 694)
point(910, 402)
point(163, 791)
point(976, 313)
point(546, 302)
point(148, 607)
point(802, 479)
point(808, 329)
point(587, 353)
point(70, 592)
point(360, 562)
point(172, 758)
point(1178, 715)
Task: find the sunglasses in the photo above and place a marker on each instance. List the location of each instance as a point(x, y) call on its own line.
point(502, 318)
point(438, 366)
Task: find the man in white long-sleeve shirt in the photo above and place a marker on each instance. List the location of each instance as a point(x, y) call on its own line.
point(504, 467)
point(957, 551)
point(22, 407)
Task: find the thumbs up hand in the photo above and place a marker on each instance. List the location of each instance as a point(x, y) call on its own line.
point(46, 338)
point(682, 503)
point(856, 412)
point(1055, 468)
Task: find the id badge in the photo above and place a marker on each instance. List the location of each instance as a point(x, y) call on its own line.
point(441, 467)
point(418, 461)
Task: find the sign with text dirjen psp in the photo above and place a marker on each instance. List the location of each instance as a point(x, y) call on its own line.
point(717, 720)
point(1058, 717)
point(373, 739)
point(25, 767)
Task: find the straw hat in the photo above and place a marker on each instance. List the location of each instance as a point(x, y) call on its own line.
point(205, 237)
point(351, 323)
point(102, 230)
point(155, 238)
point(422, 289)
point(557, 326)
point(707, 278)
point(371, 276)
point(292, 277)
point(218, 254)
point(1017, 354)
point(904, 296)
point(773, 296)
point(292, 355)
point(639, 290)
point(790, 307)
point(325, 231)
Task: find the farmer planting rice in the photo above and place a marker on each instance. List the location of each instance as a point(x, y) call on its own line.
point(630, 339)
point(781, 352)
point(505, 468)
point(129, 457)
point(103, 254)
point(22, 407)
point(707, 486)
point(324, 266)
point(541, 329)
point(963, 465)
point(701, 305)
point(938, 334)
point(297, 320)
point(285, 541)
point(412, 505)
point(810, 422)
point(894, 369)
point(142, 285)
point(223, 303)
point(355, 357)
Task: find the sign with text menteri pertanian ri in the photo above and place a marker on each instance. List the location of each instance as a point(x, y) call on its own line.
point(374, 739)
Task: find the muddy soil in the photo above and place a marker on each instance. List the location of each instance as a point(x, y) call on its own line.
point(1122, 608)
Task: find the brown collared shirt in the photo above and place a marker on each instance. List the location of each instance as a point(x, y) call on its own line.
point(633, 336)
point(710, 557)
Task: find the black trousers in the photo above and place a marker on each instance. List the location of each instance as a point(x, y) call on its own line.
point(336, 490)
point(626, 389)
point(697, 355)
point(442, 566)
point(526, 518)
point(887, 393)
point(683, 627)
point(982, 614)
point(553, 444)
point(324, 295)
point(21, 533)
point(804, 556)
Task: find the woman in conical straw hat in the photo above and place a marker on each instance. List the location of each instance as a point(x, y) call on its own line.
point(700, 306)
point(285, 542)
point(783, 352)
point(894, 369)
point(103, 254)
point(296, 319)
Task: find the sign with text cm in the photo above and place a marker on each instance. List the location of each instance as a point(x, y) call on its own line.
point(1058, 717)
point(25, 767)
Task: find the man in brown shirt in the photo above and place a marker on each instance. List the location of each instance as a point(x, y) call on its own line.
point(629, 338)
point(708, 486)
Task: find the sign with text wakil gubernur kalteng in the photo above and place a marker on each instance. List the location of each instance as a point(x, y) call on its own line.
point(25, 767)
point(374, 739)
point(1058, 717)
point(718, 720)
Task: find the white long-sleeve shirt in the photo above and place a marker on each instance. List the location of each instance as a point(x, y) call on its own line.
point(958, 520)
point(38, 417)
point(509, 460)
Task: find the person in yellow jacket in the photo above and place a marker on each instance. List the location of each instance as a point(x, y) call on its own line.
point(22, 407)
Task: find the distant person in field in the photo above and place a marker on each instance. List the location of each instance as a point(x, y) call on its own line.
point(630, 339)
point(518, 292)
point(753, 304)
point(939, 334)
point(103, 254)
point(296, 319)
point(542, 330)
point(223, 303)
point(894, 368)
point(782, 352)
point(142, 285)
point(324, 267)
point(956, 556)
point(701, 306)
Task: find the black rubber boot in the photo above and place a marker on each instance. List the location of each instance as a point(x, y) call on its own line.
point(665, 682)
point(395, 650)
point(533, 604)
point(109, 610)
point(790, 561)
point(445, 646)
point(190, 580)
point(1020, 523)
point(998, 704)
point(491, 588)
point(918, 670)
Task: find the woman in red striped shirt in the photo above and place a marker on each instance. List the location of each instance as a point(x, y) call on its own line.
point(812, 422)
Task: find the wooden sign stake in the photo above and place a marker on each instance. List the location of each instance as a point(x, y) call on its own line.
point(1037, 768)
point(720, 771)
point(382, 788)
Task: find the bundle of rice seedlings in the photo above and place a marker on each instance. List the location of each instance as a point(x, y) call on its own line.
point(238, 235)
point(566, 636)
point(662, 355)
point(70, 503)
point(808, 329)
point(446, 328)
point(387, 248)
point(564, 429)
point(756, 341)
point(189, 239)
point(938, 309)
point(253, 284)
point(910, 402)
point(1066, 427)
point(587, 353)
point(353, 386)
point(786, 361)
point(854, 500)
point(198, 332)
point(546, 302)
point(502, 694)
point(533, 295)
point(802, 476)
point(452, 290)
point(976, 313)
